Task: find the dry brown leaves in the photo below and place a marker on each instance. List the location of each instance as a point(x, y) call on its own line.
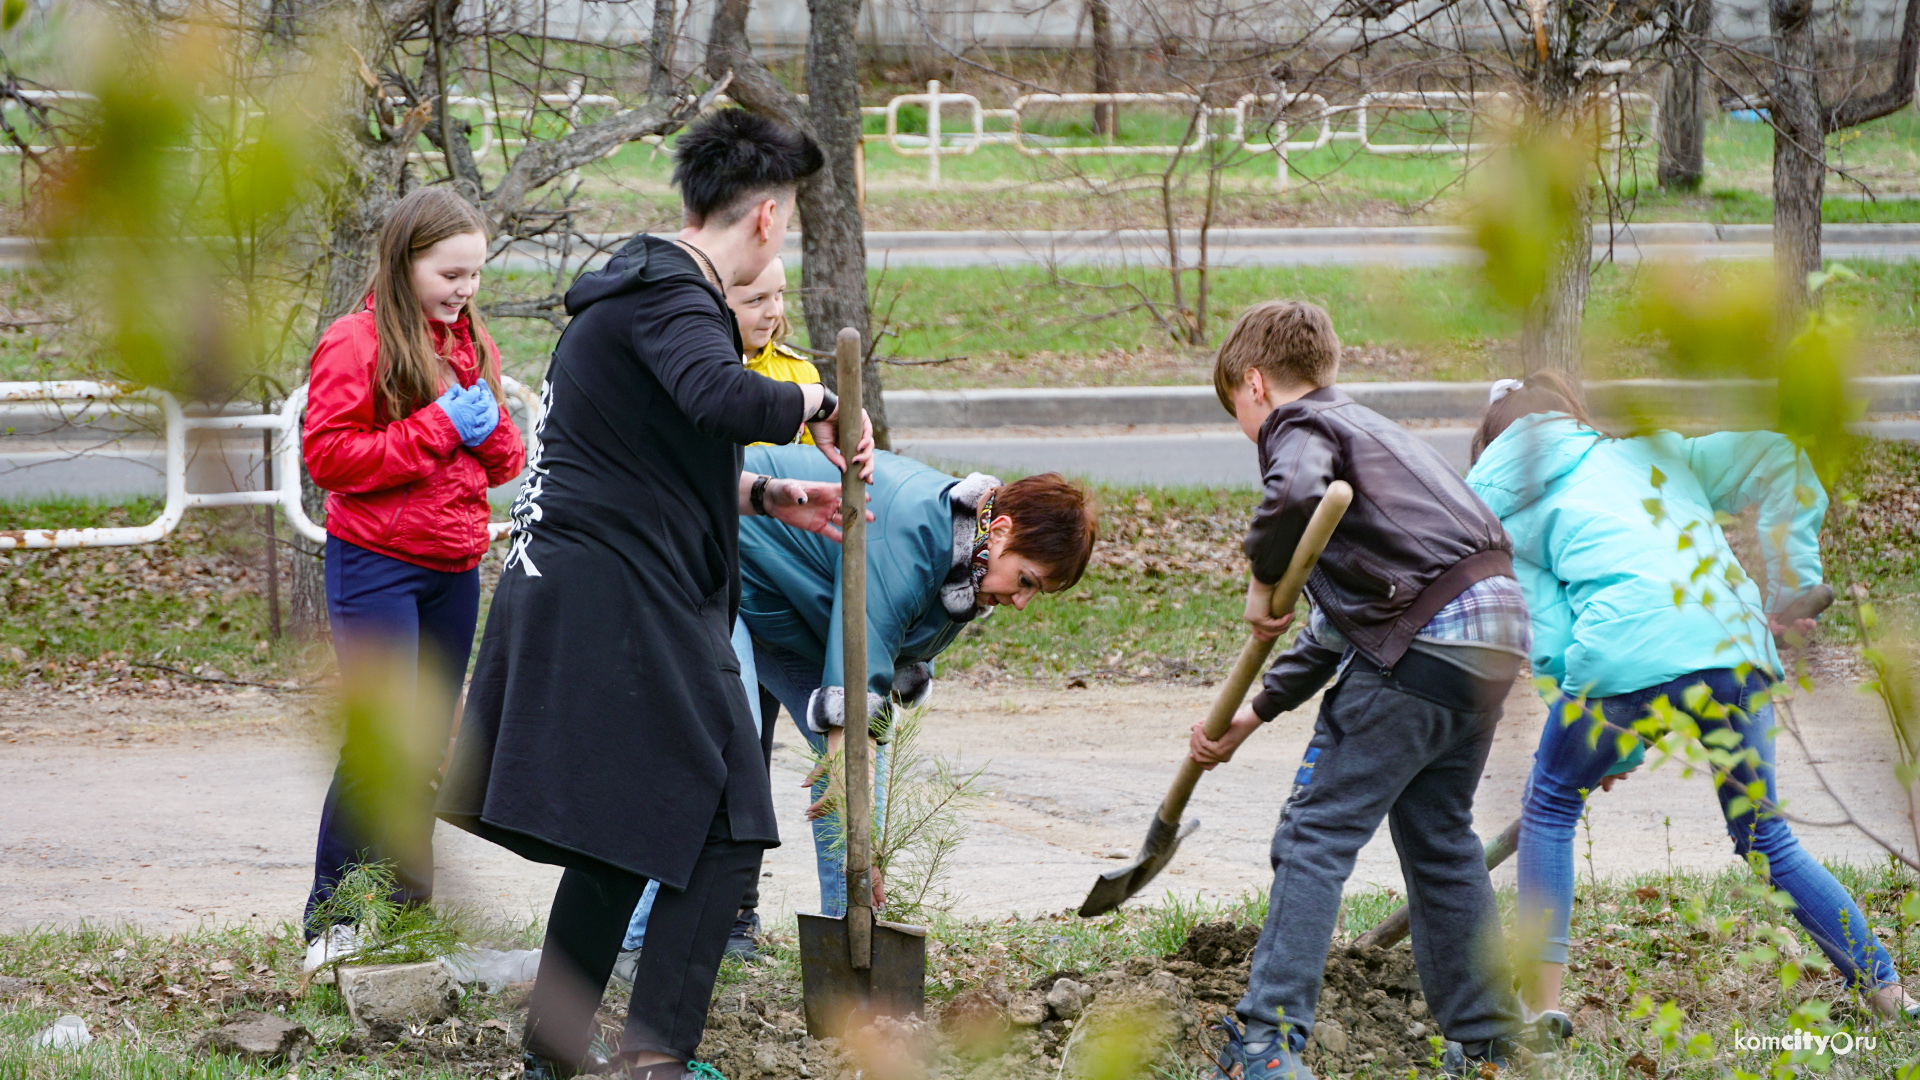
point(1162, 538)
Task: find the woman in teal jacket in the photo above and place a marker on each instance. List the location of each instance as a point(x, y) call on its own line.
point(941, 552)
point(1609, 539)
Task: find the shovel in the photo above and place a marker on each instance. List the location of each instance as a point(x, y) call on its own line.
point(1165, 831)
point(855, 968)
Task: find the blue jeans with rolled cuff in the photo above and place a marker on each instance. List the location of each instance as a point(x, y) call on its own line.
point(1570, 762)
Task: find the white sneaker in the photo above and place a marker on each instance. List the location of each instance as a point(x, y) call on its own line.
point(340, 941)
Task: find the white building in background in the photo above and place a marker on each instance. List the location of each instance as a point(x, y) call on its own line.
point(780, 25)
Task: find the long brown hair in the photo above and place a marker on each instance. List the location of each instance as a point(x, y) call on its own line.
point(1542, 391)
point(407, 376)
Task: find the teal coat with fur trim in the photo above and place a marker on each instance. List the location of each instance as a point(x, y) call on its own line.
point(1607, 533)
point(790, 580)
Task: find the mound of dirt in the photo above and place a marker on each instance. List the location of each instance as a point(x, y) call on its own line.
point(1153, 1013)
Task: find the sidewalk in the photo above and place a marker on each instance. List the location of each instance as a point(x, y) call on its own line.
point(1387, 245)
point(1462, 401)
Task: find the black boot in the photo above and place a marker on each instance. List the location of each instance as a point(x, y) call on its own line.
point(742, 943)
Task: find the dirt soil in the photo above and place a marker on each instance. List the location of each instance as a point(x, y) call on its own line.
point(1159, 1012)
point(202, 806)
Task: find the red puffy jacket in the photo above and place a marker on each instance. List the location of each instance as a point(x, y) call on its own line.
point(405, 488)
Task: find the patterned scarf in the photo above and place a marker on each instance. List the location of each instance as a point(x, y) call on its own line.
point(977, 562)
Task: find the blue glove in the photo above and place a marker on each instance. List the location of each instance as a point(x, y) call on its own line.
point(473, 411)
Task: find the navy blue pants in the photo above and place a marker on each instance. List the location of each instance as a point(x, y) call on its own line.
point(402, 634)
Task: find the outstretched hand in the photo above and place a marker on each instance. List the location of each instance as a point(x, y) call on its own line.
point(826, 436)
point(808, 505)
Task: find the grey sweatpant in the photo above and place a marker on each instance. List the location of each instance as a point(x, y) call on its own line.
point(1380, 750)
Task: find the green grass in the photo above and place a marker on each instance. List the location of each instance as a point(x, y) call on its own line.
point(997, 187)
point(88, 617)
point(1089, 327)
point(1688, 938)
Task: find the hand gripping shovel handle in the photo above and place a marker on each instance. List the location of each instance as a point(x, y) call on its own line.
point(1165, 832)
point(1253, 658)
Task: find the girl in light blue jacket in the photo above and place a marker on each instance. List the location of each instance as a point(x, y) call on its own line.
point(1640, 608)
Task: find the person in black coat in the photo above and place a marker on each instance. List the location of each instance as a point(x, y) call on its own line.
point(606, 728)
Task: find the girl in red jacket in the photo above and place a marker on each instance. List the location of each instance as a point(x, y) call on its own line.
point(406, 431)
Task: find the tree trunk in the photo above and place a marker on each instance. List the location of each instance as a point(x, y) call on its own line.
point(1799, 154)
point(1683, 113)
point(1105, 117)
point(833, 242)
point(375, 174)
point(1550, 337)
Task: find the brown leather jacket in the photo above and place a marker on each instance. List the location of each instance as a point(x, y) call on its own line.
point(1414, 538)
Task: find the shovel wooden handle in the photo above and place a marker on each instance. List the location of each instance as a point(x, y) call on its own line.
point(1253, 658)
point(857, 814)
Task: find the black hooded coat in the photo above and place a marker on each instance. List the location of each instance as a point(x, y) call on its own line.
point(606, 718)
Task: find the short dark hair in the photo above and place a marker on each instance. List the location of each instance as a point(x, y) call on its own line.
point(1054, 524)
point(1288, 341)
point(1542, 391)
point(730, 158)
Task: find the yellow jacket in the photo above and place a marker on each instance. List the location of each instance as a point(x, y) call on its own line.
point(776, 361)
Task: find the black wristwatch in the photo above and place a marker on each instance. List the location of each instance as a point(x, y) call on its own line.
point(757, 495)
point(828, 403)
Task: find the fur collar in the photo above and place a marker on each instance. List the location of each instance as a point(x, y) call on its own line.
point(957, 594)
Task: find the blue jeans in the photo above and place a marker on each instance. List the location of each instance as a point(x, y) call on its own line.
point(379, 807)
point(792, 679)
point(1573, 757)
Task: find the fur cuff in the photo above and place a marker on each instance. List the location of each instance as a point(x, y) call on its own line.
point(913, 684)
point(826, 710)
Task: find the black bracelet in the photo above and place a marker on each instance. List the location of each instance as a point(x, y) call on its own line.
point(757, 495)
point(829, 402)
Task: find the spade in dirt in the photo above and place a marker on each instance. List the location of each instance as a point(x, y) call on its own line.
point(1165, 831)
point(857, 967)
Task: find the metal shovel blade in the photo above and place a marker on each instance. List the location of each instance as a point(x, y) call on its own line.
point(836, 994)
point(1115, 886)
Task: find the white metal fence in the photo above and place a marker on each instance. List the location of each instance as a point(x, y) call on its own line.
point(1613, 108)
point(283, 425)
point(1227, 125)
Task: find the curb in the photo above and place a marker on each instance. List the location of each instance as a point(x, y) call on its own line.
point(1461, 401)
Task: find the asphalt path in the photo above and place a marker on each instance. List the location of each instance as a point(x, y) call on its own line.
point(1157, 456)
point(1434, 245)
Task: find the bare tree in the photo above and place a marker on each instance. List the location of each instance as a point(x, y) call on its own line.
point(1802, 119)
point(1683, 143)
point(408, 54)
point(1106, 120)
point(833, 245)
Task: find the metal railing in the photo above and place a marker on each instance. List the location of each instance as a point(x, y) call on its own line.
point(937, 143)
point(1323, 115)
point(283, 425)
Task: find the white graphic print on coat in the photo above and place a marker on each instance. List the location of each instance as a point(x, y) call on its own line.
point(526, 505)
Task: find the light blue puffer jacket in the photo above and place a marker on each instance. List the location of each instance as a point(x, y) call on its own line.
point(1607, 532)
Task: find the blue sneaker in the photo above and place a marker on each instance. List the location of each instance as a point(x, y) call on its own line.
point(1274, 1060)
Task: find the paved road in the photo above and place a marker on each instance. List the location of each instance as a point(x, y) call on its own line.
point(1424, 245)
point(1212, 457)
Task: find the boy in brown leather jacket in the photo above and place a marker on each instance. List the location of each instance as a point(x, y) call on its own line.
point(1420, 626)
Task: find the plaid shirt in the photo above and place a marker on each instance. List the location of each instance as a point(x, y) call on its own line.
point(1492, 612)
